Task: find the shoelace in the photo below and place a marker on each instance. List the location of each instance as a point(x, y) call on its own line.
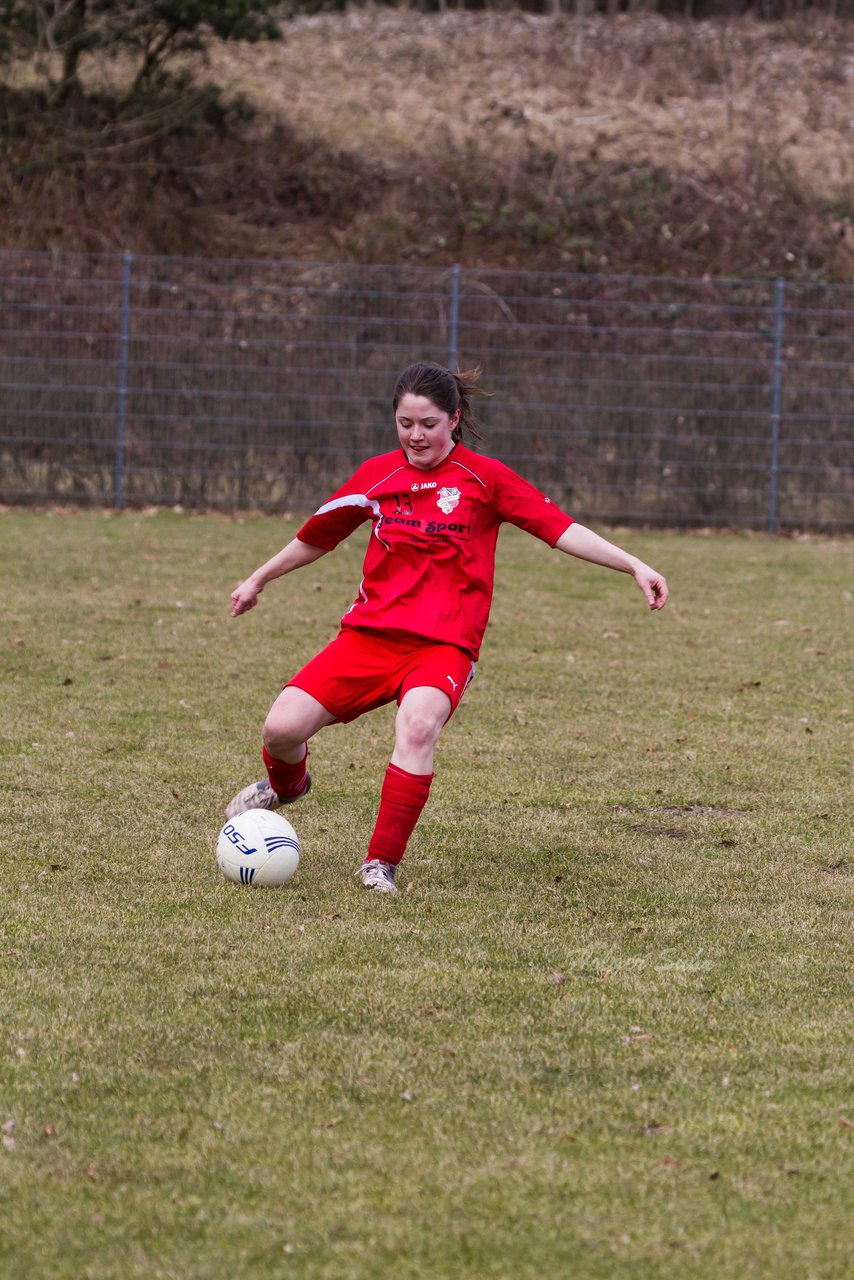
point(375, 870)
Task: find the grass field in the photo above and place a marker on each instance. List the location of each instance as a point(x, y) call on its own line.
point(604, 1031)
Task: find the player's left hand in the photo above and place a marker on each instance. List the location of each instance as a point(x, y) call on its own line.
point(653, 585)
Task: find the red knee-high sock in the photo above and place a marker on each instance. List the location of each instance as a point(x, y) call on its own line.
point(403, 797)
point(287, 780)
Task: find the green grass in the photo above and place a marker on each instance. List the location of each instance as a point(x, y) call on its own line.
point(604, 1031)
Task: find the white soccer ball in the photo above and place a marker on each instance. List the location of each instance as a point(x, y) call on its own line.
point(258, 848)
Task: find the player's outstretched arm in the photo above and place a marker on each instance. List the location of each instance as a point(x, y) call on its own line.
point(584, 544)
point(294, 556)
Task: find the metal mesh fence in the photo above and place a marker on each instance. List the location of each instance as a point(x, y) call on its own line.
point(131, 381)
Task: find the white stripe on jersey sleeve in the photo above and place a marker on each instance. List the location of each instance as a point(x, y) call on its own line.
point(355, 500)
point(349, 500)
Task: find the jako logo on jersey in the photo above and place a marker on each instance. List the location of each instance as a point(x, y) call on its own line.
point(448, 499)
point(424, 484)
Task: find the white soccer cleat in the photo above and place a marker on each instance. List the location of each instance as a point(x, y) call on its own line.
point(260, 795)
point(378, 876)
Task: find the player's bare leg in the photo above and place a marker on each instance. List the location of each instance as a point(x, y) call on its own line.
point(421, 717)
point(293, 719)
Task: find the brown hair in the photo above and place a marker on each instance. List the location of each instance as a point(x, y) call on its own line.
point(448, 390)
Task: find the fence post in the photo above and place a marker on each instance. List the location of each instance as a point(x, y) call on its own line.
point(121, 417)
point(776, 398)
point(454, 318)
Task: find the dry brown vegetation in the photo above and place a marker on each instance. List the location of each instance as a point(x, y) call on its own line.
point(628, 144)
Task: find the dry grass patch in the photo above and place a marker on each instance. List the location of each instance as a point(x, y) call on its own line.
point(691, 95)
point(636, 144)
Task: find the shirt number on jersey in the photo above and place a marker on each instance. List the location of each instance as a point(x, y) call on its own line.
point(402, 504)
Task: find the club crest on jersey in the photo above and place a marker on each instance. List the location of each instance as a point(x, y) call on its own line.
point(448, 499)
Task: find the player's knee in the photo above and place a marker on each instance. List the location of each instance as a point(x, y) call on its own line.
point(417, 731)
point(280, 734)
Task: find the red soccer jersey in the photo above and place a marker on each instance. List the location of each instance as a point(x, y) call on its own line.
point(430, 564)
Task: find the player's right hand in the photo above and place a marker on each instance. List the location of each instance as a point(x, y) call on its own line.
point(244, 597)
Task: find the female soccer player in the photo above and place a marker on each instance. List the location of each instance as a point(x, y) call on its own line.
point(414, 630)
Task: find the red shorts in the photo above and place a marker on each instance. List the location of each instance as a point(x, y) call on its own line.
point(362, 670)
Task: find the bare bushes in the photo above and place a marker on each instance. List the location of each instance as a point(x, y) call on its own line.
point(183, 173)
